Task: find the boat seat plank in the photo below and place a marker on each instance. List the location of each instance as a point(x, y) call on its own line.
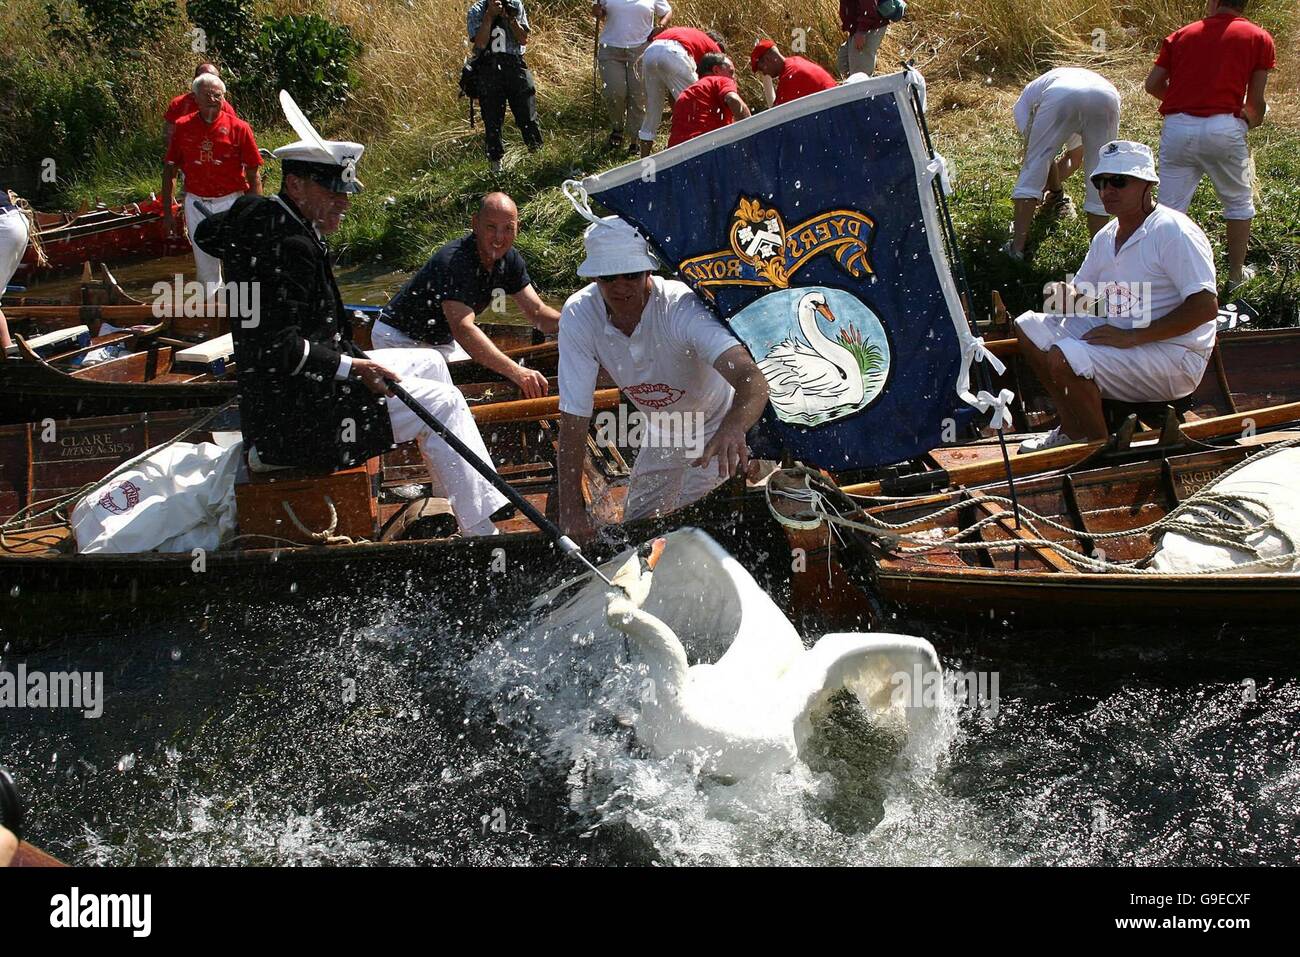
point(132, 367)
point(1048, 556)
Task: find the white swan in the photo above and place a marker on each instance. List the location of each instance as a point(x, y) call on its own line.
point(755, 706)
point(810, 384)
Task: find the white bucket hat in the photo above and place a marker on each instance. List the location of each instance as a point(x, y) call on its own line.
point(1127, 158)
point(614, 247)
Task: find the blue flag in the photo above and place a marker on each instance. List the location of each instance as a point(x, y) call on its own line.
point(812, 229)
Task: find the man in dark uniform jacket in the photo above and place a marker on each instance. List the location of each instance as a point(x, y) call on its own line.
point(307, 396)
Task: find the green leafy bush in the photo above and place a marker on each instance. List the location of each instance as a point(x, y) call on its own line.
point(308, 56)
point(116, 27)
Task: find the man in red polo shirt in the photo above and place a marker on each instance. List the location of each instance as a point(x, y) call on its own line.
point(710, 102)
point(795, 76)
point(1209, 79)
point(218, 156)
point(185, 104)
point(669, 66)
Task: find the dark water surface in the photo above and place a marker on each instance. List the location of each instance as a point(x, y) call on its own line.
point(347, 734)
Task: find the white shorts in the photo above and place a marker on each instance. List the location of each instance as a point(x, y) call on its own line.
point(1090, 117)
point(1155, 372)
point(13, 244)
point(1214, 146)
point(385, 336)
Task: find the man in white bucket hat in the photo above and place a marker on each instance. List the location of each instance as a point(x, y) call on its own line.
point(696, 387)
point(1152, 270)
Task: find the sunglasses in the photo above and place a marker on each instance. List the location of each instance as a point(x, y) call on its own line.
point(630, 276)
point(1119, 182)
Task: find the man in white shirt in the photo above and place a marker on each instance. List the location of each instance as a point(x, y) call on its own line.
point(696, 386)
point(1069, 107)
point(1153, 269)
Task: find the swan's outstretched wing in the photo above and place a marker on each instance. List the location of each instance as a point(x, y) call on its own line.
point(880, 669)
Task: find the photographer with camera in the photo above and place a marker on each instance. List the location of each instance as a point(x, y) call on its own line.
point(499, 31)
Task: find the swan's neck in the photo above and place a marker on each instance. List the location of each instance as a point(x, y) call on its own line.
point(824, 345)
point(653, 641)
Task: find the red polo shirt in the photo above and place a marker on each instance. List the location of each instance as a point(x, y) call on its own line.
point(696, 42)
point(701, 107)
point(185, 104)
point(213, 157)
point(1210, 63)
point(799, 77)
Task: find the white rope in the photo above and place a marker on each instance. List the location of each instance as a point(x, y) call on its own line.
point(576, 194)
point(326, 536)
point(1201, 517)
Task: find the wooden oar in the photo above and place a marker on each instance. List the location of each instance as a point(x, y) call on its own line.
point(527, 410)
point(1064, 456)
point(117, 315)
point(29, 856)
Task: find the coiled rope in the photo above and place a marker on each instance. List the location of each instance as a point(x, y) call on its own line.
point(1217, 518)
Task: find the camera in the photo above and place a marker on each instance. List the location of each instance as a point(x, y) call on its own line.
point(11, 805)
point(511, 8)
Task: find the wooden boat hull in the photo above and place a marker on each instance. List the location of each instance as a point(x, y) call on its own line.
point(116, 235)
point(875, 588)
point(32, 391)
point(47, 590)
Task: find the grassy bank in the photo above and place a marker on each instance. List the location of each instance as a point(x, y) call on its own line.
point(424, 165)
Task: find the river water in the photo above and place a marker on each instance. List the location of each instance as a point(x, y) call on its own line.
point(355, 733)
point(290, 734)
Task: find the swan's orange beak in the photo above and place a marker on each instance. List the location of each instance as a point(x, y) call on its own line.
point(825, 310)
point(656, 550)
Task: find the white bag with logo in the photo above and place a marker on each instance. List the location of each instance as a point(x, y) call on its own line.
point(178, 499)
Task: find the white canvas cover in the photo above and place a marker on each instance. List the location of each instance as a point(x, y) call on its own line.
point(176, 499)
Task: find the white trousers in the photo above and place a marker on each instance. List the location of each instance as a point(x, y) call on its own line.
point(13, 244)
point(1152, 372)
point(668, 69)
point(663, 480)
point(1090, 114)
point(207, 269)
point(385, 336)
point(425, 376)
point(1214, 146)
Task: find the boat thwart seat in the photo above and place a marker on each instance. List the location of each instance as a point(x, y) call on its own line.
point(211, 356)
point(60, 340)
point(305, 506)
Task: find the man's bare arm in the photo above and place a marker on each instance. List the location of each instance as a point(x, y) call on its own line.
point(728, 443)
point(460, 317)
point(543, 317)
point(1196, 310)
point(739, 109)
point(1255, 107)
point(1157, 82)
point(573, 450)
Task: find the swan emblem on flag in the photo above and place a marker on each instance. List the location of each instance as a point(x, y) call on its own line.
point(813, 378)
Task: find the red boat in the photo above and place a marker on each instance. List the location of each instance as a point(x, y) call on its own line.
point(106, 234)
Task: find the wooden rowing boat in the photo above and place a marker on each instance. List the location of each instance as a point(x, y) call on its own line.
point(873, 583)
point(117, 234)
point(151, 374)
point(46, 585)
